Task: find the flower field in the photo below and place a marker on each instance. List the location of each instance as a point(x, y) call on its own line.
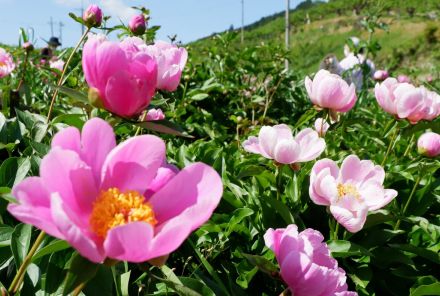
point(134, 166)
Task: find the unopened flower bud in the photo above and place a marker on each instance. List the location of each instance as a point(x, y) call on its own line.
point(28, 46)
point(92, 16)
point(429, 144)
point(138, 24)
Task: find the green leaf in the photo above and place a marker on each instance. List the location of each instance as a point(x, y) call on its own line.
point(262, 263)
point(13, 170)
point(422, 252)
point(5, 235)
point(342, 249)
point(73, 93)
point(53, 247)
point(199, 97)
point(163, 126)
point(426, 285)
point(20, 242)
point(80, 271)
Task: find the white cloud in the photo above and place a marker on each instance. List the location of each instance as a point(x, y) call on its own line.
point(117, 9)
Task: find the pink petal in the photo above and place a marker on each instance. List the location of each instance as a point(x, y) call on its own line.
point(68, 138)
point(293, 268)
point(66, 221)
point(311, 145)
point(97, 140)
point(183, 204)
point(353, 170)
point(352, 221)
point(309, 88)
point(63, 171)
point(252, 145)
point(286, 151)
point(34, 205)
point(163, 176)
point(268, 138)
point(272, 239)
point(130, 242)
point(133, 164)
point(283, 132)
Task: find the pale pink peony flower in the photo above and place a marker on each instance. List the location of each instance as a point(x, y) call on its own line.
point(155, 114)
point(7, 64)
point(58, 64)
point(123, 75)
point(321, 126)
point(403, 79)
point(121, 202)
point(429, 144)
point(138, 24)
point(278, 143)
point(407, 101)
point(351, 191)
point(380, 75)
point(171, 61)
point(330, 91)
point(92, 16)
point(305, 262)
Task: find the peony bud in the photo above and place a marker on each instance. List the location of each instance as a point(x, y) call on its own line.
point(429, 144)
point(403, 79)
point(92, 16)
point(28, 46)
point(138, 24)
point(380, 75)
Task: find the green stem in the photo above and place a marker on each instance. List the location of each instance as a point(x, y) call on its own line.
point(335, 233)
point(60, 81)
point(142, 120)
point(19, 277)
point(278, 181)
point(409, 146)
point(392, 142)
point(413, 191)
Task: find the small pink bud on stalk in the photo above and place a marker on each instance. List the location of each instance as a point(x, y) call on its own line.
point(28, 46)
point(138, 24)
point(92, 16)
point(429, 144)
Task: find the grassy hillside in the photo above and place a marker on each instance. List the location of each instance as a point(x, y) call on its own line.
point(412, 37)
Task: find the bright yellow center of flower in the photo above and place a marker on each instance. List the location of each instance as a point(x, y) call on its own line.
point(2, 64)
point(114, 208)
point(347, 189)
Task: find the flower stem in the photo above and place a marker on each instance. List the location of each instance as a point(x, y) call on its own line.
point(335, 233)
point(392, 142)
point(142, 120)
point(23, 73)
point(19, 277)
point(409, 145)
point(413, 191)
point(60, 81)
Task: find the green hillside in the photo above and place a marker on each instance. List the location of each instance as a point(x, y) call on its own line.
point(317, 28)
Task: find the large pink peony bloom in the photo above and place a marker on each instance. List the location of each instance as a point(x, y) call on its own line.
point(123, 75)
point(122, 202)
point(429, 144)
point(305, 262)
point(278, 143)
point(407, 101)
point(351, 191)
point(330, 91)
point(7, 64)
point(171, 61)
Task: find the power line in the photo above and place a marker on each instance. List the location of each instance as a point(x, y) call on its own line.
point(51, 23)
point(61, 25)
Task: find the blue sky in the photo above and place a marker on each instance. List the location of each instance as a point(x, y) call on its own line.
point(189, 19)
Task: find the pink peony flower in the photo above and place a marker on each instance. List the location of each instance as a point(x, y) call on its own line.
point(321, 126)
point(429, 144)
point(58, 64)
point(403, 79)
point(7, 64)
point(155, 114)
point(351, 191)
point(278, 143)
point(138, 24)
point(171, 61)
point(380, 75)
point(305, 262)
point(330, 91)
point(407, 101)
point(123, 75)
point(92, 16)
point(121, 202)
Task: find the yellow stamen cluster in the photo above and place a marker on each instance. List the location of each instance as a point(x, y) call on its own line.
point(348, 189)
point(114, 208)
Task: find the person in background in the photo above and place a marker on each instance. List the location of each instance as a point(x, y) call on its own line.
point(48, 51)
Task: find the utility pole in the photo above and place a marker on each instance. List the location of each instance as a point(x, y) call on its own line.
point(51, 26)
point(82, 13)
point(242, 21)
point(287, 33)
point(61, 25)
